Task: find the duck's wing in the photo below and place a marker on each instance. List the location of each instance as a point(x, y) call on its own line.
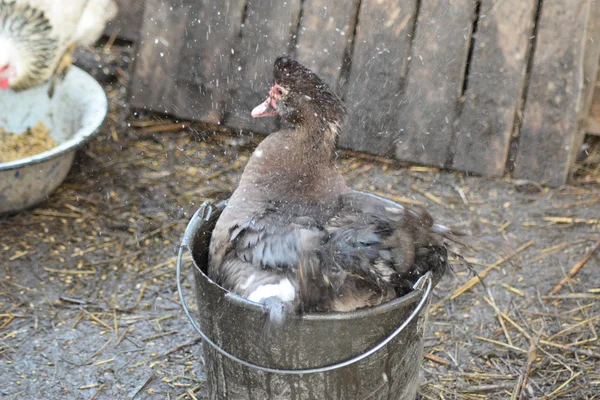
point(258, 256)
point(381, 246)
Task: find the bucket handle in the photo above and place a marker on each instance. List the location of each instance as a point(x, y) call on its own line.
point(204, 213)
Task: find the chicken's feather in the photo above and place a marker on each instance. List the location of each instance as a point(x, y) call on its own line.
point(61, 24)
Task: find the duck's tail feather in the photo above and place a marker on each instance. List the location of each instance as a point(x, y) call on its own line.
point(456, 243)
point(466, 264)
point(455, 237)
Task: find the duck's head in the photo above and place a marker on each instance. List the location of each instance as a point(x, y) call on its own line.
point(301, 97)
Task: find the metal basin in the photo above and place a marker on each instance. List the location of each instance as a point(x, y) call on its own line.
point(73, 115)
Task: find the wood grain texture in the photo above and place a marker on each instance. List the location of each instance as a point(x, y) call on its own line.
point(435, 79)
point(379, 60)
point(591, 70)
point(267, 32)
point(205, 61)
point(593, 120)
point(326, 27)
point(495, 85)
point(128, 22)
point(184, 62)
point(550, 134)
point(153, 85)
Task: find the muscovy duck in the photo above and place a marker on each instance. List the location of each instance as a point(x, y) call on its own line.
point(295, 237)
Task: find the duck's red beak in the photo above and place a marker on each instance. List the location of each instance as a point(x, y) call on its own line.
point(265, 109)
point(268, 107)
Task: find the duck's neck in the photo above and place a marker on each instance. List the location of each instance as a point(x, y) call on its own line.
point(295, 166)
point(319, 137)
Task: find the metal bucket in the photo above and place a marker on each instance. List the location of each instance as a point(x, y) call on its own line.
point(373, 353)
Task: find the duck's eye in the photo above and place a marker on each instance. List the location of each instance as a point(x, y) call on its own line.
point(280, 92)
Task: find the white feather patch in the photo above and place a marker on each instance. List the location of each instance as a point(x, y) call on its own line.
point(284, 290)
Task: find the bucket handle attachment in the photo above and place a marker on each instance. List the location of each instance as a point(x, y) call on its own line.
point(204, 213)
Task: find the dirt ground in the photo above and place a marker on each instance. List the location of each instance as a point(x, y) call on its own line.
point(89, 306)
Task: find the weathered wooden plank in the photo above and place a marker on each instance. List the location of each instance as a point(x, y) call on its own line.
point(379, 61)
point(593, 120)
point(184, 57)
point(267, 32)
point(551, 135)
point(128, 22)
point(435, 79)
point(591, 71)
point(326, 27)
point(152, 85)
point(592, 126)
point(495, 86)
point(205, 61)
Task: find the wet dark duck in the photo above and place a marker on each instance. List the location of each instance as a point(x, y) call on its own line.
point(295, 237)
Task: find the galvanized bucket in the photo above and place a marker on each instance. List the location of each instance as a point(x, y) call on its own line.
point(373, 353)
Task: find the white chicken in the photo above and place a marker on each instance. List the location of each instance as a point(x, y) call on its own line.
point(38, 37)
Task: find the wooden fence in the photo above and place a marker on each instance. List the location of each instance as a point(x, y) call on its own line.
point(485, 86)
point(592, 125)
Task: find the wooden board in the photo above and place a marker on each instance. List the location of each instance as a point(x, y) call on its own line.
point(326, 27)
point(550, 135)
point(204, 64)
point(591, 54)
point(184, 62)
point(591, 72)
point(593, 120)
point(435, 79)
point(379, 60)
point(267, 32)
point(128, 22)
point(153, 83)
point(495, 86)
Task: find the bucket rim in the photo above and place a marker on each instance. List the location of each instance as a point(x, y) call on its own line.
point(384, 308)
